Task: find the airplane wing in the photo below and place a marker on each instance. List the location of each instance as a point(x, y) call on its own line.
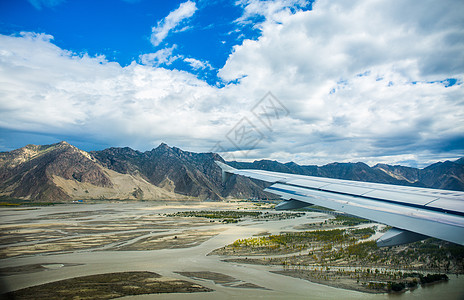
point(414, 213)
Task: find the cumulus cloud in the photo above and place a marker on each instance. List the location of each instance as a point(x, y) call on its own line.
point(372, 81)
point(361, 78)
point(48, 90)
point(174, 19)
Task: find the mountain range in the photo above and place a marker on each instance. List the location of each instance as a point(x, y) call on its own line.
point(61, 172)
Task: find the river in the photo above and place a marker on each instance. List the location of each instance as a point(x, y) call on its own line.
point(167, 262)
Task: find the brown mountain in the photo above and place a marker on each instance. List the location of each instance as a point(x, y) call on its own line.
point(446, 175)
point(408, 174)
point(62, 172)
point(183, 172)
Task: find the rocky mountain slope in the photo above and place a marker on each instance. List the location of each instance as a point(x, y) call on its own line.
point(446, 175)
point(182, 172)
point(62, 172)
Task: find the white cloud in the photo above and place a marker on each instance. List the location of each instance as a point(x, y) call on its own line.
point(197, 64)
point(361, 80)
point(52, 91)
point(269, 9)
point(160, 57)
point(165, 57)
point(305, 55)
point(162, 29)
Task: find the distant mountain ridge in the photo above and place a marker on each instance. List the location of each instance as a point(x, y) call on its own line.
point(448, 175)
point(62, 172)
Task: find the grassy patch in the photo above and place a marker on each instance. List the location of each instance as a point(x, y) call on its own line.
point(107, 286)
point(295, 241)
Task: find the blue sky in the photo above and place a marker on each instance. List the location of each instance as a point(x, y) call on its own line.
point(340, 80)
point(120, 30)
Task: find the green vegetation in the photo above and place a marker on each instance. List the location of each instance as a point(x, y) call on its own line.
point(338, 256)
point(22, 203)
point(230, 216)
point(298, 241)
point(363, 233)
point(9, 204)
point(349, 248)
point(348, 220)
point(425, 255)
point(429, 278)
point(363, 279)
point(216, 214)
point(413, 279)
point(396, 286)
point(360, 250)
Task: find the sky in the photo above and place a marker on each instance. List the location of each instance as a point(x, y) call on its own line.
point(314, 82)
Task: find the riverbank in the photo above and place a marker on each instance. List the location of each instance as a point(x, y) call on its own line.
point(349, 258)
point(65, 242)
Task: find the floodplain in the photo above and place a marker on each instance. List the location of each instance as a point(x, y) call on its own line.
point(206, 250)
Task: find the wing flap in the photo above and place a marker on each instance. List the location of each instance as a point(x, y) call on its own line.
point(316, 184)
point(448, 205)
point(396, 196)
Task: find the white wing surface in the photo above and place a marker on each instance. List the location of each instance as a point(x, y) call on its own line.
point(414, 213)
